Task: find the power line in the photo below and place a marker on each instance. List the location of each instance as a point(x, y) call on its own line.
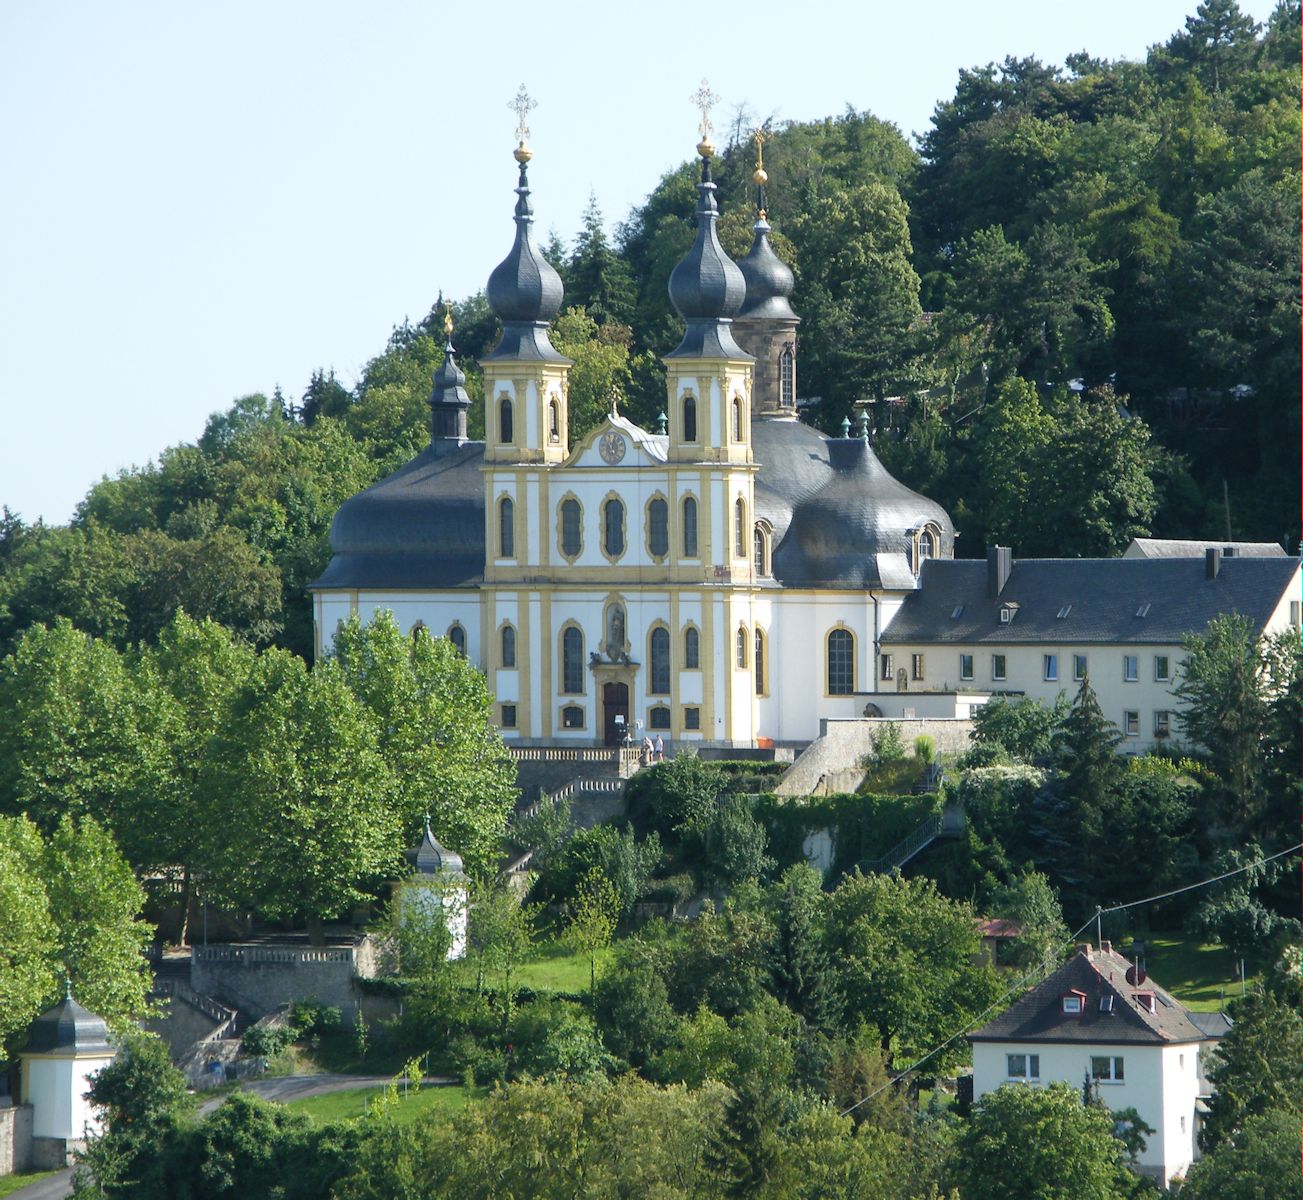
point(1030, 978)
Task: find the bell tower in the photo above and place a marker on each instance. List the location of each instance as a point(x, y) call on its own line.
point(708, 375)
point(765, 326)
point(525, 379)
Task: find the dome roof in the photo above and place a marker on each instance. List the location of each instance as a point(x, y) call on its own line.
point(68, 1029)
point(856, 529)
point(524, 289)
point(421, 527)
point(434, 859)
point(706, 287)
point(769, 280)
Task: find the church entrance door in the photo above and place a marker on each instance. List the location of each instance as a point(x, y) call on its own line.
point(615, 703)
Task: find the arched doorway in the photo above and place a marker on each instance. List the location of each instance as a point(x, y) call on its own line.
point(615, 703)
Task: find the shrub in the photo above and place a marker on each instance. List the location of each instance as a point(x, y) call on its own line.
point(887, 746)
point(984, 754)
point(925, 748)
point(267, 1041)
point(312, 1016)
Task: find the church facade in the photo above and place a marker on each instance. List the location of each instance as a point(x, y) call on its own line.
point(735, 578)
point(724, 579)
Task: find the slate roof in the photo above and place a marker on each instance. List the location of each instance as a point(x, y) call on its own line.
point(421, 527)
point(68, 1029)
point(1038, 1015)
point(1105, 595)
point(1175, 548)
point(431, 858)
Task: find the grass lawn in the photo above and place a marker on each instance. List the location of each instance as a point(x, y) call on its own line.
point(553, 967)
point(11, 1183)
point(352, 1103)
point(1195, 973)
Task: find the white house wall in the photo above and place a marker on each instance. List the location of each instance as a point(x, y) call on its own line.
point(1161, 1083)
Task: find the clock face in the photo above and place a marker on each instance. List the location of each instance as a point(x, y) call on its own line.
point(612, 446)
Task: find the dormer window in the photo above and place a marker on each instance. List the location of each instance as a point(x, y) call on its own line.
point(1007, 613)
point(1106, 1003)
point(1146, 1000)
point(1073, 1003)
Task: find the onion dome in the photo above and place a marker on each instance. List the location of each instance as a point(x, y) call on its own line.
point(769, 280)
point(524, 290)
point(434, 859)
point(448, 399)
point(68, 1030)
point(706, 287)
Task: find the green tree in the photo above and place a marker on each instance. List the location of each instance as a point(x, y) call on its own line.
point(600, 354)
point(296, 796)
point(1023, 727)
point(1255, 1068)
point(1259, 1159)
point(75, 736)
point(908, 960)
point(1224, 713)
point(431, 711)
point(28, 966)
point(1032, 903)
point(1040, 1142)
point(501, 933)
point(801, 973)
point(594, 913)
point(597, 279)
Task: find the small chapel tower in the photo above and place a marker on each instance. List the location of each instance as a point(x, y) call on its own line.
point(525, 378)
point(708, 375)
point(765, 326)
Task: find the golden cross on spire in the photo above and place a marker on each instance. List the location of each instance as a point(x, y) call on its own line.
point(521, 106)
point(705, 100)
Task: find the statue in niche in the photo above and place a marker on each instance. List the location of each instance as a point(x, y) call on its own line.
point(614, 631)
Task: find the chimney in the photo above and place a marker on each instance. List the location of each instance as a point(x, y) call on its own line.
point(999, 562)
point(1083, 948)
point(1228, 551)
point(1106, 947)
point(1212, 562)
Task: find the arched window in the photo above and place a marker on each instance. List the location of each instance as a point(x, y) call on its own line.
point(659, 654)
point(689, 527)
point(658, 528)
point(787, 378)
point(508, 655)
point(740, 528)
point(927, 546)
point(457, 636)
point(841, 663)
point(506, 528)
point(760, 663)
point(691, 649)
point(689, 418)
point(613, 528)
point(417, 629)
point(760, 542)
point(505, 433)
point(741, 645)
point(571, 530)
point(553, 422)
point(572, 661)
point(737, 418)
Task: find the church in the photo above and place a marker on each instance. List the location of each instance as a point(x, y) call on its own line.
point(723, 579)
point(733, 578)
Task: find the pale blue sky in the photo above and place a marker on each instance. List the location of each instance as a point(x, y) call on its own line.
point(202, 200)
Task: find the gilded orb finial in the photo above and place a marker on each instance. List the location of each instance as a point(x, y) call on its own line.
point(447, 319)
point(705, 100)
point(761, 176)
point(521, 106)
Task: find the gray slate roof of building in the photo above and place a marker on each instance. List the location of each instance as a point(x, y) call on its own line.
point(68, 1028)
point(1179, 548)
point(1105, 595)
point(1038, 1015)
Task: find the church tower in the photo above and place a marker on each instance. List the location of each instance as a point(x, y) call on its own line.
point(448, 399)
point(525, 379)
point(708, 375)
point(765, 326)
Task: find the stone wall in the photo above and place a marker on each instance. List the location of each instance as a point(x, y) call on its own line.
point(845, 742)
point(15, 1139)
point(259, 979)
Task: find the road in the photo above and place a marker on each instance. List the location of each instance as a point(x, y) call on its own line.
point(281, 1088)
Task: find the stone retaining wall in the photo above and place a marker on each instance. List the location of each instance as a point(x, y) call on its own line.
point(845, 742)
